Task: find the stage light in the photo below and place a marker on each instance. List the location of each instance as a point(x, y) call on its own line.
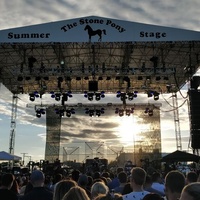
point(118, 94)
point(102, 94)
point(90, 96)
point(100, 78)
point(156, 96)
point(146, 110)
point(121, 112)
point(130, 96)
point(34, 95)
point(128, 112)
point(31, 61)
point(132, 110)
point(97, 96)
point(91, 113)
point(87, 111)
point(68, 113)
point(52, 94)
point(62, 113)
point(38, 113)
point(150, 112)
point(60, 79)
point(31, 97)
point(57, 96)
point(123, 96)
point(149, 93)
point(98, 113)
point(158, 78)
point(140, 78)
point(37, 95)
point(116, 110)
point(46, 78)
point(108, 78)
point(135, 94)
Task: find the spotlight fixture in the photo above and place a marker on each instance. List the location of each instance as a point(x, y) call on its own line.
point(98, 95)
point(122, 112)
point(40, 112)
point(156, 95)
point(69, 112)
point(149, 94)
point(57, 96)
point(121, 95)
point(130, 95)
point(94, 112)
point(60, 112)
point(149, 111)
point(34, 95)
point(65, 96)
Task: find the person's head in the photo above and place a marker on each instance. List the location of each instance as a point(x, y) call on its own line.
point(75, 175)
point(127, 189)
point(83, 180)
point(58, 177)
point(120, 169)
point(138, 176)
point(191, 177)
point(156, 177)
point(62, 187)
point(37, 178)
point(76, 193)
point(122, 177)
point(7, 180)
point(174, 183)
point(152, 196)
point(191, 192)
point(98, 188)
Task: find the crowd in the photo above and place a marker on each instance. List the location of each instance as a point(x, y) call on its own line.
point(137, 185)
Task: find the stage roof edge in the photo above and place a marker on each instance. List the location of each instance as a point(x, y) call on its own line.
point(96, 29)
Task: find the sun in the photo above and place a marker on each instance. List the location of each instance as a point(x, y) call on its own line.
point(128, 129)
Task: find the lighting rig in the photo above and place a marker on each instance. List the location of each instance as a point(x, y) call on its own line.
point(94, 112)
point(153, 94)
point(63, 111)
point(124, 111)
point(34, 95)
point(129, 95)
point(149, 111)
point(98, 95)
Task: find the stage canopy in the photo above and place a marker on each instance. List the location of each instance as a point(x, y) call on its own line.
point(180, 156)
point(97, 54)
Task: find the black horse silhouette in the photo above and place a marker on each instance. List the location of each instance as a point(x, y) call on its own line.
point(96, 32)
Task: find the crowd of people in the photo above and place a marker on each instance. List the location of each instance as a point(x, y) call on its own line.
point(137, 185)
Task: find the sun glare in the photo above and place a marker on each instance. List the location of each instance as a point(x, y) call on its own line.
point(128, 129)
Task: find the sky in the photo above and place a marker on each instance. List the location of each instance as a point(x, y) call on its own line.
point(31, 131)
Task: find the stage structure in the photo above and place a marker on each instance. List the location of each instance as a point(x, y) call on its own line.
point(82, 135)
point(96, 54)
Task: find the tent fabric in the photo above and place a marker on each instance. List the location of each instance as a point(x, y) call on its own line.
point(180, 156)
point(6, 156)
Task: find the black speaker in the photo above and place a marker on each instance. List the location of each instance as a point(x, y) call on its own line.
point(93, 86)
point(195, 143)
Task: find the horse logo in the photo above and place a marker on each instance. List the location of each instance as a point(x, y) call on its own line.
point(91, 32)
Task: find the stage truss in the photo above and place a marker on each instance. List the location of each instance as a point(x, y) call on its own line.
point(124, 66)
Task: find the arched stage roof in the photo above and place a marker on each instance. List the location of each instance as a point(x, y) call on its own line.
point(114, 54)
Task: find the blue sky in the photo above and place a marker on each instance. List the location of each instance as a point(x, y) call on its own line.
point(30, 131)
